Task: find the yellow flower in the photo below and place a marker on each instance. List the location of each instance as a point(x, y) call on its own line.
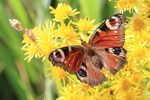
point(26, 39)
point(136, 77)
point(44, 42)
point(124, 84)
point(121, 5)
point(139, 24)
point(70, 92)
point(142, 93)
point(110, 94)
point(31, 51)
point(131, 94)
point(129, 5)
point(62, 11)
point(30, 48)
point(45, 38)
point(67, 32)
point(144, 7)
point(79, 92)
point(67, 35)
point(146, 73)
point(85, 25)
point(60, 74)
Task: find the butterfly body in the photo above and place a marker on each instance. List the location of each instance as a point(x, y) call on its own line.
point(104, 49)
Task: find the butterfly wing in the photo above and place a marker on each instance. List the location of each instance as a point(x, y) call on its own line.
point(90, 73)
point(108, 40)
point(69, 58)
point(110, 33)
point(113, 59)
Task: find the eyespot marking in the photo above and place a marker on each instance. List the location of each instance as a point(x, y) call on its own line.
point(113, 23)
point(82, 71)
point(58, 56)
point(117, 50)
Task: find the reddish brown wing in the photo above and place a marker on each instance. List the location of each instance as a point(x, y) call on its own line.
point(108, 40)
point(110, 33)
point(69, 58)
point(89, 73)
point(113, 59)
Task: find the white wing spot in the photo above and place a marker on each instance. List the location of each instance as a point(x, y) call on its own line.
point(116, 36)
point(115, 31)
point(65, 62)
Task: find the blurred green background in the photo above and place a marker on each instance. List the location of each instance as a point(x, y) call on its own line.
point(20, 80)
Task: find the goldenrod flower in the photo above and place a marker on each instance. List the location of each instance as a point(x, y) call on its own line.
point(139, 24)
point(125, 84)
point(62, 11)
point(121, 5)
point(142, 91)
point(129, 5)
point(131, 94)
point(45, 38)
point(31, 51)
point(137, 78)
point(79, 92)
point(67, 34)
point(60, 74)
point(109, 93)
point(70, 92)
point(85, 25)
point(30, 48)
point(43, 44)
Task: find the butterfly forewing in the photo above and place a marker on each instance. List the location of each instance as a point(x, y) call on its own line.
point(69, 58)
point(110, 33)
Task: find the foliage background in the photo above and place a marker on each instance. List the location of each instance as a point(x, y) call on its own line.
point(20, 80)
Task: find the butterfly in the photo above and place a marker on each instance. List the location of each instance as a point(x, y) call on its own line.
point(104, 49)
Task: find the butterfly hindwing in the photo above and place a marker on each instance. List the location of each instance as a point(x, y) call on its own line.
point(113, 59)
point(89, 73)
point(69, 58)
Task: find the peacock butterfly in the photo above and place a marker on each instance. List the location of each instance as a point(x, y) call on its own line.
point(104, 49)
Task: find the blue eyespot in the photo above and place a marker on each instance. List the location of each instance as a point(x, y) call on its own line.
point(82, 73)
point(117, 50)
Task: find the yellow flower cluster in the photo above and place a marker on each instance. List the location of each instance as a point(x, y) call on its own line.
point(128, 5)
point(130, 83)
point(62, 12)
point(134, 80)
point(52, 36)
